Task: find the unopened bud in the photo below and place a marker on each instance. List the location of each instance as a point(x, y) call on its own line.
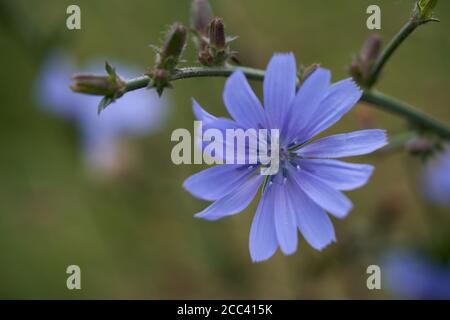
point(96, 84)
point(175, 42)
point(201, 15)
point(371, 48)
point(361, 65)
point(217, 35)
point(424, 9)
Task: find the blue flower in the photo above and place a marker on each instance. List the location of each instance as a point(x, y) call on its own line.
point(132, 115)
point(408, 274)
point(436, 178)
point(308, 183)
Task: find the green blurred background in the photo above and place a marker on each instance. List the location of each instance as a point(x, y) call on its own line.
point(133, 234)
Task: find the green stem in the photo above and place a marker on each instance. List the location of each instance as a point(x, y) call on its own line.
point(406, 111)
point(376, 99)
point(196, 72)
point(404, 32)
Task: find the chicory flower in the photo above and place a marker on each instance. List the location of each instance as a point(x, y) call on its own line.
point(309, 182)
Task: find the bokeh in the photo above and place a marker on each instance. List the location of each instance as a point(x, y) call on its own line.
point(130, 226)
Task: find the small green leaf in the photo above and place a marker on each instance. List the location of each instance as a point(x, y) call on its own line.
point(425, 8)
point(106, 101)
point(110, 70)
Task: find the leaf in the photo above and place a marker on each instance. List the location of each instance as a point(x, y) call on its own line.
point(110, 70)
point(106, 101)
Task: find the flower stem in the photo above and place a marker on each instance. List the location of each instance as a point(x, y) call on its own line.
point(196, 72)
point(420, 119)
point(376, 99)
point(404, 32)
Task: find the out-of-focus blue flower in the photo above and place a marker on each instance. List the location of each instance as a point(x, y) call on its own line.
point(309, 183)
point(410, 275)
point(133, 114)
point(436, 178)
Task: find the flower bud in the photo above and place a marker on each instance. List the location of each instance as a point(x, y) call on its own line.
point(361, 65)
point(173, 44)
point(424, 9)
point(96, 85)
point(201, 16)
point(371, 48)
point(110, 85)
point(91, 84)
point(217, 36)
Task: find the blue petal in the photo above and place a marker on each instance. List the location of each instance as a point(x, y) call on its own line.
point(345, 145)
point(241, 101)
point(307, 100)
point(211, 122)
point(263, 239)
point(234, 202)
point(285, 222)
point(221, 124)
point(215, 182)
point(279, 88)
point(339, 99)
point(326, 197)
point(232, 146)
point(200, 113)
point(338, 174)
point(313, 222)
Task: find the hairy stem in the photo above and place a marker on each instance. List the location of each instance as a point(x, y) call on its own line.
point(196, 72)
point(376, 99)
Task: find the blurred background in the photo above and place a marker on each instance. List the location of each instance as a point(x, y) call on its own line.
point(124, 217)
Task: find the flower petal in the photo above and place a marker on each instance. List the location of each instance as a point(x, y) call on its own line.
point(322, 194)
point(263, 239)
point(338, 174)
point(279, 88)
point(235, 144)
point(200, 113)
point(241, 102)
point(355, 143)
point(285, 222)
point(307, 100)
point(234, 202)
point(215, 182)
point(313, 222)
point(339, 99)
